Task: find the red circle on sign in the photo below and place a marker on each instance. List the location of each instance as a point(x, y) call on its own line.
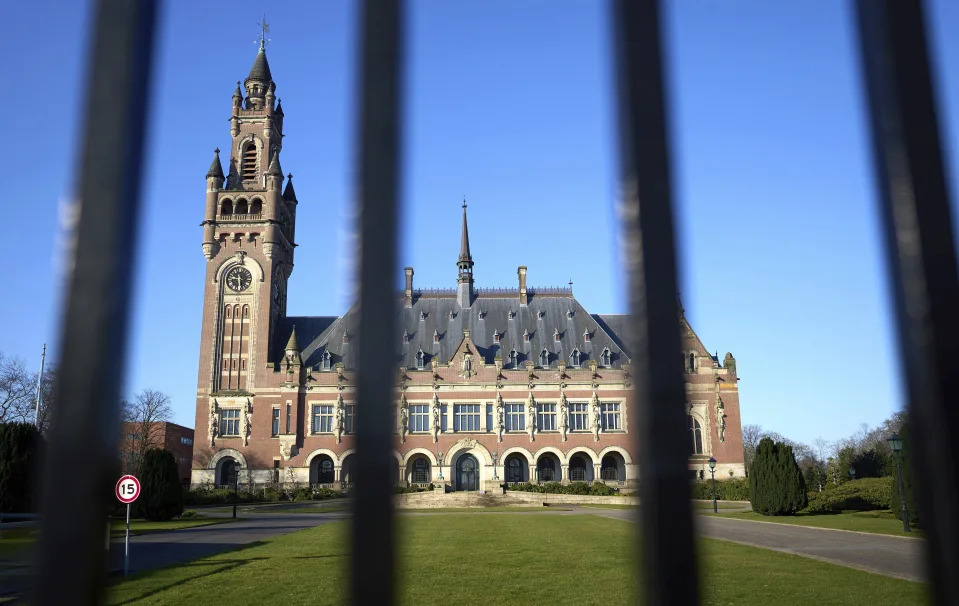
point(128, 489)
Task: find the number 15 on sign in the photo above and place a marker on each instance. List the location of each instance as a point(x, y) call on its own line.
point(127, 491)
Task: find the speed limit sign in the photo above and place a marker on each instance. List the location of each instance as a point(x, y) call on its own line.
point(128, 489)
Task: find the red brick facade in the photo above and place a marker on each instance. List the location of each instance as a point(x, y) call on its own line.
point(517, 384)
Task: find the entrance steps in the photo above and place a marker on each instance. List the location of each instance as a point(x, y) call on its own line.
point(437, 499)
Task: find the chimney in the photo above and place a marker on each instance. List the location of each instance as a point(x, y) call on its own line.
point(521, 272)
point(408, 293)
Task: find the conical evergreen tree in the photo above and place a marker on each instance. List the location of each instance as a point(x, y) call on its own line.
point(776, 485)
point(161, 496)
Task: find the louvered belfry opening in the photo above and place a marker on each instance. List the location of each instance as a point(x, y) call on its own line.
point(917, 232)
point(248, 162)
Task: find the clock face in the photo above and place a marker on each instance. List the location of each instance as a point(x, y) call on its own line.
point(238, 279)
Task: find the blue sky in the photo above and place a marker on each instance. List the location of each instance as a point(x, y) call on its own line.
point(510, 105)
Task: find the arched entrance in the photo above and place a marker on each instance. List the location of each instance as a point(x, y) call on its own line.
point(613, 468)
point(548, 468)
point(227, 471)
point(467, 473)
point(321, 470)
point(580, 469)
point(517, 469)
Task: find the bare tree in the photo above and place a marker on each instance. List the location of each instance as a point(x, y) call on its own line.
point(145, 416)
point(751, 436)
point(18, 393)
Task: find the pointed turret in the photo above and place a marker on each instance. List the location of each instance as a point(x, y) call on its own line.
point(292, 345)
point(216, 169)
point(259, 81)
point(275, 170)
point(261, 67)
point(464, 283)
point(279, 108)
point(237, 95)
point(288, 194)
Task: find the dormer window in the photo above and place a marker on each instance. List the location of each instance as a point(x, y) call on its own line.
point(574, 358)
point(482, 314)
point(248, 162)
point(452, 315)
point(569, 313)
point(526, 336)
point(513, 359)
point(586, 336)
point(556, 335)
point(406, 337)
point(327, 361)
point(420, 360)
point(346, 338)
point(540, 314)
point(544, 359)
point(495, 336)
point(422, 316)
point(436, 337)
point(511, 314)
point(606, 357)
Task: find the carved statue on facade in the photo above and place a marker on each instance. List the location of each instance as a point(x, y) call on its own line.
point(248, 422)
point(435, 426)
point(563, 417)
point(500, 417)
point(595, 417)
point(720, 419)
point(214, 422)
point(404, 419)
point(468, 365)
point(531, 417)
point(338, 419)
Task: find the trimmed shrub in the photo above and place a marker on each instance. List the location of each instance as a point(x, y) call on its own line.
point(161, 495)
point(733, 489)
point(410, 489)
point(866, 494)
point(579, 488)
point(776, 484)
point(19, 450)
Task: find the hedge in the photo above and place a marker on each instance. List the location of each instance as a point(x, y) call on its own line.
point(865, 494)
point(224, 496)
point(579, 488)
point(19, 453)
point(734, 489)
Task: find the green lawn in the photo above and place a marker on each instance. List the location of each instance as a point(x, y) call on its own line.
point(696, 505)
point(118, 526)
point(15, 539)
point(877, 522)
point(494, 559)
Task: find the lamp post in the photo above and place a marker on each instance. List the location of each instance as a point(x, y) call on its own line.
point(495, 454)
point(852, 473)
point(895, 444)
point(236, 485)
point(439, 456)
point(712, 472)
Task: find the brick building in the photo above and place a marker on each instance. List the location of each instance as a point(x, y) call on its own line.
point(518, 383)
point(170, 436)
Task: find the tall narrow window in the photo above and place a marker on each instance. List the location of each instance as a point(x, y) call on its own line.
point(495, 336)
point(696, 435)
point(275, 430)
point(606, 357)
point(349, 417)
point(556, 335)
point(289, 417)
point(444, 427)
point(420, 359)
point(692, 363)
point(574, 358)
point(513, 359)
point(248, 162)
point(327, 360)
point(544, 359)
point(489, 417)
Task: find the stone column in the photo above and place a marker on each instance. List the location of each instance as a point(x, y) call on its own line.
point(532, 473)
point(597, 472)
point(564, 470)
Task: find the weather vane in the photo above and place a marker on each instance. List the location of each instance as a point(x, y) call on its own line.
point(264, 30)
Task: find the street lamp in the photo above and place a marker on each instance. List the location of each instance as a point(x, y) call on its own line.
point(236, 485)
point(712, 472)
point(895, 444)
point(852, 473)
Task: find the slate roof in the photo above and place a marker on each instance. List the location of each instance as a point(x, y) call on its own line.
point(545, 315)
point(261, 68)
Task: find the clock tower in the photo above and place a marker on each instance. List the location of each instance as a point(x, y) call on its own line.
point(248, 242)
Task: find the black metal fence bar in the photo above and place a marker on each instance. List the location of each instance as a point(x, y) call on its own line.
point(378, 186)
point(665, 528)
point(81, 460)
point(920, 248)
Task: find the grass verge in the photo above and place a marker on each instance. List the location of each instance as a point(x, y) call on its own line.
point(875, 522)
point(118, 526)
point(503, 560)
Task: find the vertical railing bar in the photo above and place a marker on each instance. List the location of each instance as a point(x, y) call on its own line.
point(81, 455)
point(665, 515)
point(921, 255)
point(371, 571)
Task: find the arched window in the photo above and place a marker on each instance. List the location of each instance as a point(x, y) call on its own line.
point(514, 469)
point(696, 434)
point(574, 358)
point(256, 207)
point(324, 471)
point(421, 471)
point(241, 207)
point(606, 357)
point(248, 162)
point(577, 470)
point(228, 312)
point(691, 367)
point(420, 359)
point(544, 358)
point(226, 207)
point(546, 469)
point(610, 468)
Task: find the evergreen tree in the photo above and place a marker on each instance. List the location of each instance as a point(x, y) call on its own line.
point(161, 496)
point(776, 484)
point(19, 446)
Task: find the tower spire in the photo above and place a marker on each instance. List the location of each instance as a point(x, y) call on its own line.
point(464, 283)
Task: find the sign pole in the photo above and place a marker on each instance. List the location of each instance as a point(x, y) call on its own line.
point(126, 547)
